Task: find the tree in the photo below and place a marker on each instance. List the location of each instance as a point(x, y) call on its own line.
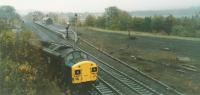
point(22, 66)
point(158, 23)
point(101, 22)
point(138, 23)
point(35, 15)
point(8, 16)
point(116, 18)
point(169, 23)
point(90, 20)
point(147, 24)
point(177, 30)
point(124, 20)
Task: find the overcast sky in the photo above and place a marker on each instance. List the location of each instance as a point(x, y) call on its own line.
point(98, 5)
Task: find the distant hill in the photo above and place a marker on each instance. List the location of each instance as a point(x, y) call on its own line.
point(176, 12)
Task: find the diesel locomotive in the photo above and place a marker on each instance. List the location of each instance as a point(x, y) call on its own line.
point(75, 65)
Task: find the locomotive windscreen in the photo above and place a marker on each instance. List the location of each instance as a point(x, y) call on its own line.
point(75, 57)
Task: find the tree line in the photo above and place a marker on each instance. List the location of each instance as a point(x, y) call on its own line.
point(9, 18)
point(116, 19)
point(59, 18)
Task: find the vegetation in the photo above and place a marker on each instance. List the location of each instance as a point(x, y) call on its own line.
point(116, 19)
point(21, 61)
point(36, 15)
point(21, 66)
point(90, 20)
point(56, 17)
point(8, 18)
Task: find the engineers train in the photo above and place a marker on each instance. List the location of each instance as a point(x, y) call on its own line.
point(75, 65)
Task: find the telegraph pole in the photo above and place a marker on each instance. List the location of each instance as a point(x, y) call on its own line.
point(75, 32)
point(67, 30)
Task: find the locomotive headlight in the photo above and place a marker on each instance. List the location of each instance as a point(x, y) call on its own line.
point(77, 72)
point(94, 69)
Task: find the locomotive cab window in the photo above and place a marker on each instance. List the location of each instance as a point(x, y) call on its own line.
point(94, 69)
point(78, 56)
point(77, 72)
point(83, 55)
point(69, 59)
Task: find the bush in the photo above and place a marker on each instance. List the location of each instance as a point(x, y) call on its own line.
point(176, 30)
point(22, 68)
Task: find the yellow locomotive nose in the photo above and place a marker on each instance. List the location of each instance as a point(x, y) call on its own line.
point(84, 71)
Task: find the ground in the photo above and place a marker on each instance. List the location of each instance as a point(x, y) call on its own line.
point(159, 56)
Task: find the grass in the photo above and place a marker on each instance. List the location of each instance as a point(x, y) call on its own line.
point(136, 33)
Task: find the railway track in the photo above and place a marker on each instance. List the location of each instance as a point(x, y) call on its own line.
point(131, 71)
point(125, 84)
point(129, 83)
point(104, 88)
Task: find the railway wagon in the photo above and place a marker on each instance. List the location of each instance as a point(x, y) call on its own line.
point(75, 65)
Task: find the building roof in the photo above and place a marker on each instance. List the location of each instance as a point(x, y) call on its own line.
point(46, 18)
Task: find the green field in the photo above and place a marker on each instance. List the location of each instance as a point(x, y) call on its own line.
point(153, 54)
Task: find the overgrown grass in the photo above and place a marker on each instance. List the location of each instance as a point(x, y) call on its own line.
point(137, 33)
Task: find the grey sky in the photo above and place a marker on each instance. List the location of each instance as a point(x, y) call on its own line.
point(97, 5)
